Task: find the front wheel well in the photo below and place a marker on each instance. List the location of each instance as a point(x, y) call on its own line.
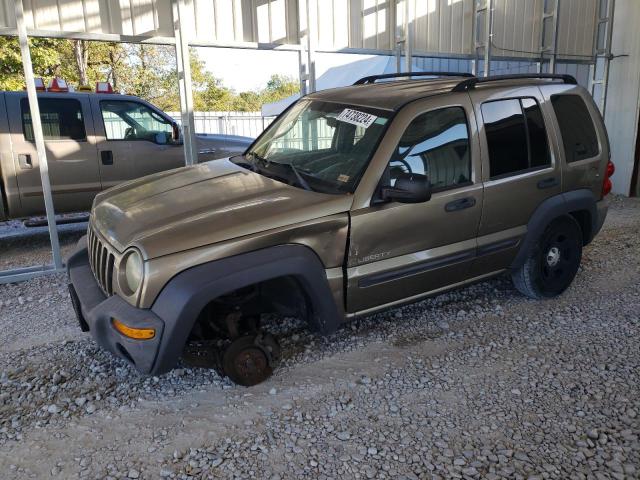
point(239, 311)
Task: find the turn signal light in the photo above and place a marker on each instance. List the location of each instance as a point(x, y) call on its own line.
point(135, 333)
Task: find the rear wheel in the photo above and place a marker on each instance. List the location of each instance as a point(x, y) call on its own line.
point(552, 262)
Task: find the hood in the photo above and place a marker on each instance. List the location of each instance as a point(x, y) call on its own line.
point(201, 205)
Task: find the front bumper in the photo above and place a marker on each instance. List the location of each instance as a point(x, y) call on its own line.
point(95, 312)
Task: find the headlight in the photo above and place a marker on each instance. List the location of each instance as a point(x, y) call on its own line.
point(131, 273)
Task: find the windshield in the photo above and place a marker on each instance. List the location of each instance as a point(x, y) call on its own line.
point(319, 146)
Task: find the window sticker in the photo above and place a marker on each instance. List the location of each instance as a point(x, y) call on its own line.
point(355, 117)
point(343, 178)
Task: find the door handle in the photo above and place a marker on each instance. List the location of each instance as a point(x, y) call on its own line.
point(461, 204)
point(548, 183)
point(24, 159)
point(107, 157)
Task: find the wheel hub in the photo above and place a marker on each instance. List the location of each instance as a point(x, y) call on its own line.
point(553, 256)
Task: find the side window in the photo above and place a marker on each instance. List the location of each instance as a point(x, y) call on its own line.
point(61, 119)
point(516, 136)
point(127, 120)
point(435, 144)
point(576, 127)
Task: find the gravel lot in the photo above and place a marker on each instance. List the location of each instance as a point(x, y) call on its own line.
point(476, 383)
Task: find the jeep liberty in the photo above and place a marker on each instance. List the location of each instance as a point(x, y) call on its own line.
point(354, 200)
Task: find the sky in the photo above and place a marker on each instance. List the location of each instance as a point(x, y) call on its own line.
point(250, 70)
point(247, 70)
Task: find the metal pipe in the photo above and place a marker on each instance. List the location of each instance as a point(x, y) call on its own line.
point(34, 110)
point(408, 60)
point(184, 81)
point(489, 32)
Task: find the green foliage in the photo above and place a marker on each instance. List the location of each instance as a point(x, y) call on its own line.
point(147, 71)
point(46, 57)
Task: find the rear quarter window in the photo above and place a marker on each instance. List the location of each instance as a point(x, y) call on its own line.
point(576, 127)
point(61, 119)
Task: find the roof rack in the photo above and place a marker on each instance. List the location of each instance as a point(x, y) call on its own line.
point(372, 78)
point(472, 82)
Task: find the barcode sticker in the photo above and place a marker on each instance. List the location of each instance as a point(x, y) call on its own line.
point(355, 117)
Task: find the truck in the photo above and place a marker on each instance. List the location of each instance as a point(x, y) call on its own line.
point(93, 142)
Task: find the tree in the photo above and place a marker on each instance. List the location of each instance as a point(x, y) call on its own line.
point(147, 71)
point(46, 58)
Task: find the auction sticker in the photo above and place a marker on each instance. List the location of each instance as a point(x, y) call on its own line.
point(355, 117)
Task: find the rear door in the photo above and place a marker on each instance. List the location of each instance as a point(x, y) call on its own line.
point(134, 139)
point(519, 169)
point(70, 146)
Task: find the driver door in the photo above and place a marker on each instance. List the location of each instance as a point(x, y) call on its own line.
point(134, 140)
point(400, 250)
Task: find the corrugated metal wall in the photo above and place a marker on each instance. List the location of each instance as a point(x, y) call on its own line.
point(440, 27)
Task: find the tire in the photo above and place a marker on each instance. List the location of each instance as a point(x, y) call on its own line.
point(552, 262)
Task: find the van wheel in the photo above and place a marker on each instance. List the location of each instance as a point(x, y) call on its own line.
point(552, 262)
point(248, 359)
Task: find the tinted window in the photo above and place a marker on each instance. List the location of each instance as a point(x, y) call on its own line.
point(576, 127)
point(540, 155)
point(516, 136)
point(126, 120)
point(435, 144)
point(61, 119)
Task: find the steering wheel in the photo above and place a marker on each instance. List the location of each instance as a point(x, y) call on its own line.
point(129, 133)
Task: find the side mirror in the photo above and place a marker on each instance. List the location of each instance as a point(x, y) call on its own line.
point(175, 134)
point(161, 138)
point(409, 188)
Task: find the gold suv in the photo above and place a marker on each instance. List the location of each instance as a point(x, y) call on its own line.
point(354, 200)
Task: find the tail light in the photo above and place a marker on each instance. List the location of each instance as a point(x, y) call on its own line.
point(607, 185)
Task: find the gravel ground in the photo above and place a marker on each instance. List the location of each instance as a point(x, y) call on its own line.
point(476, 383)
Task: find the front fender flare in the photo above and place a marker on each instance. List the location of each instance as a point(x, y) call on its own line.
point(185, 295)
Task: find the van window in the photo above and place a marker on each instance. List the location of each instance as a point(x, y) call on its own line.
point(127, 120)
point(516, 136)
point(576, 127)
point(61, 119)
point(435, 144)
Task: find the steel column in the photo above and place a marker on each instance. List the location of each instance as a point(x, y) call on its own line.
point(184, 81)
point(34, 109)
point(482, 7)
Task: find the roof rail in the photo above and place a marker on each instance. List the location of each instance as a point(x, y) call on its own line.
point(472, 82)
point(372, 78)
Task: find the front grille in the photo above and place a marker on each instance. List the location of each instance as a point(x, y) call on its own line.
point(101, 261)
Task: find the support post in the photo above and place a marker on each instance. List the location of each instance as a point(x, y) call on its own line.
point(408, 40)
point(184, 81)
point(34, 110)
point(488, 28)
point(311, 47)
point(306, 55)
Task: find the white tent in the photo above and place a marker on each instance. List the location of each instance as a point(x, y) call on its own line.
point(340, 76)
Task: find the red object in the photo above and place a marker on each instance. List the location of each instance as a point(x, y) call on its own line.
point(57, 85)
point(104, 87)
point(607, 185)
point(39, 85)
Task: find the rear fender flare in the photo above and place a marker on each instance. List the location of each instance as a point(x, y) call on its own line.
point(185, 295)
point(551, 208)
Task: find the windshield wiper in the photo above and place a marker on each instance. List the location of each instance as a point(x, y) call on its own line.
point(303, 183)
point(265, 164)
